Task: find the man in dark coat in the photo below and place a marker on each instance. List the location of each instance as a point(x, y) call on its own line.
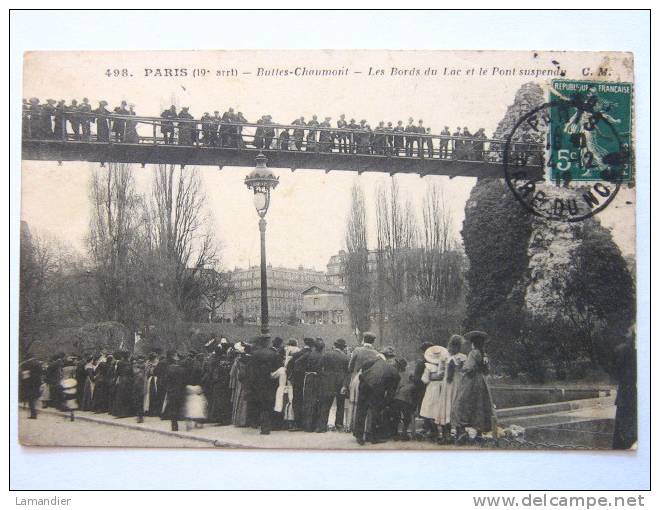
point(296, 373)
point(625, 421)
point(378, 384)
point(30, 386)
point(176, 390)
point(312, 145)
point(261, 385)
point(227, 129)
point(311, 386)
point(102, 125)
point(325, 136)
point(74, 118)
point(334, 373)
point(411, 138)
point(342, 136)
point(444, 143)
point(47, 112)
point(269, 131)
point(119, 125)
point(187, 129)
point(299, 133)
point(167, 126)
point(85, 110)
point(353, 135)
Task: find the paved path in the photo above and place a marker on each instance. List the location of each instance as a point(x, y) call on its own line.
point(89, 429)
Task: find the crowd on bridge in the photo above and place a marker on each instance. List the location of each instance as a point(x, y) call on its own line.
point(277, 385)
point(60, 121)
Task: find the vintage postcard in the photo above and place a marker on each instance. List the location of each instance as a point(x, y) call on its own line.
point(328, 250)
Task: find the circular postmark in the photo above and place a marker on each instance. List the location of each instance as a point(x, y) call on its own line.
point(565, 160)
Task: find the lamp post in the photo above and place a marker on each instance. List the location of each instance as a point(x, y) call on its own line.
point(261, 181)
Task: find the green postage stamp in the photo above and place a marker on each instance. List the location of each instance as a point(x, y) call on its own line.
point(590, 131)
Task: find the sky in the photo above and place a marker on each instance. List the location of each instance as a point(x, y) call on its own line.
point(308, 209)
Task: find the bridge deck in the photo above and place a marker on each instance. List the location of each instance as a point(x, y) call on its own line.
point(144, 153)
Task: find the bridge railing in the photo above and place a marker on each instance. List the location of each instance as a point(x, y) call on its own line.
point(73, 126)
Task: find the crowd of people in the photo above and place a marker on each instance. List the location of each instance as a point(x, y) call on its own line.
point(60, 121)
point(277, 385)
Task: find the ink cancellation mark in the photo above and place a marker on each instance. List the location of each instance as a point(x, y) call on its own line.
point(586, 127)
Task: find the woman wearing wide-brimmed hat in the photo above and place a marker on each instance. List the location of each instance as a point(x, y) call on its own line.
point(450, 384)
point(434, 371)
point(473, 406)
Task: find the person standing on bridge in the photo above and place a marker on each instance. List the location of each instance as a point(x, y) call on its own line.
point(187, 128)
point(429, 142)
point(119, 125)
point(167, 127)
point(457, 144)
point(398, 144)
point(227, 129)
point(215, 122)
point(326, 137)
point(85, 118)
point(444, 143)
point(283, 142)
point(389, 139)
point(298, 133)
point(74, 118)
point(342, 136)
point(240, 143)
point(312, 145)
point(411, 138)
point(131, 134)
point(379, 139)
point(207, 129)
point(101, 114)
point(269, 131)
point(467, 144)
point(59, 128)
point(478, 144)
point(352, 135)
point(47, 112)
point(35, 123)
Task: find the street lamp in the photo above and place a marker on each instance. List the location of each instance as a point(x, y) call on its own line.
point(261, 180)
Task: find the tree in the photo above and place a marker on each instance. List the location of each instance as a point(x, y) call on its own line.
point(440, 271)
point(183, 245)
point(216, 289)
point(356, 264)
point(111, 240)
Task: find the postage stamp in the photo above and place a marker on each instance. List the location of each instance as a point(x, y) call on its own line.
point(590, 131)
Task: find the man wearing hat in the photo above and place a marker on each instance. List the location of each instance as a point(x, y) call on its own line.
point(352, 135)
point(269, 131)
point(342, 136)
point(175, 390)
point(102, 127)
point(311, 386)
point(261, 385)
point(378, 383)
point(362, 355)
point(207, 129)
point(411, 137)
point(299, 132)
point(74, 118)
point(444, 143)
point(227, 129)
point(167, 126)
point(296, 369)
point(187, 129)
point(312, 145)
point(334, 370)
point(119, 125)
point(325, 137)
point(84, 111)
point(216, 119)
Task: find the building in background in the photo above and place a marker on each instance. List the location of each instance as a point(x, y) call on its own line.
point(285, 286)
point(325, 304)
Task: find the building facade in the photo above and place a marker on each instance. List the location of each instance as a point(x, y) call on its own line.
point(285, 286)
point(325, 304)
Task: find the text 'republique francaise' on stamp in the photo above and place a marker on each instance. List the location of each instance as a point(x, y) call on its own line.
point(586, 128)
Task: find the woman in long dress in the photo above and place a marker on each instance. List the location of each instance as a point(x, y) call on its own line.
point(434, 371)
point(473, 406)
point(131, 128)
point(101, 396)
point(123, 403)
point(87, 401)
point(450, 384)
point(239, 415)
